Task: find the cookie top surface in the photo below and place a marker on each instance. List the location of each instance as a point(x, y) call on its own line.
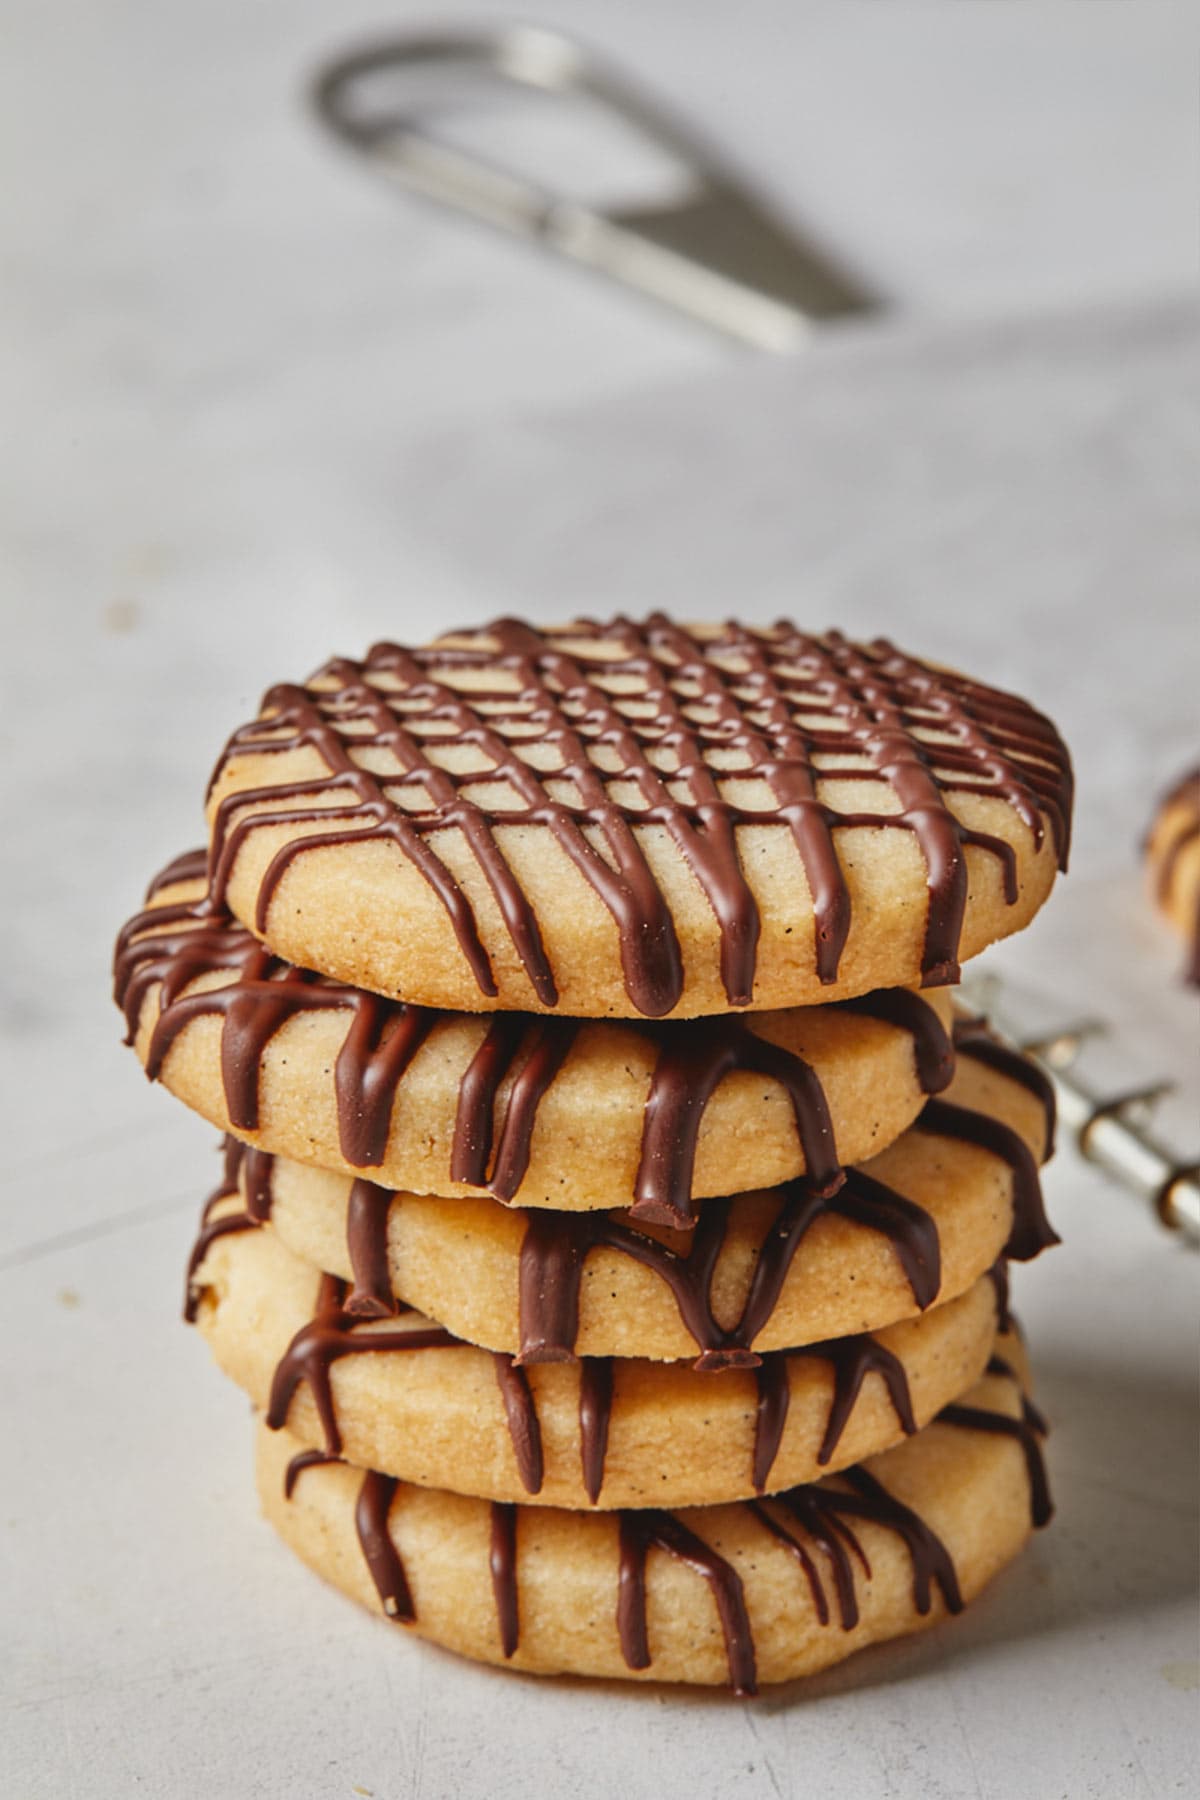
point(545, 1112)
point(637, 818)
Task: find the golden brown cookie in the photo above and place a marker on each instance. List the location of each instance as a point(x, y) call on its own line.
point(757, 1592)
point(549, 1112)
point(1173, 856)
point(403, 1396)
point(638, 819)
point(916, 1225)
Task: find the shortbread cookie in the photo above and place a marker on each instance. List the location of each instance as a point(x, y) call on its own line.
point(637, 819)
point(1173, 853)
point(549, 1112)
point(914, 1226)
point(404, 1396)
point(757, 1592)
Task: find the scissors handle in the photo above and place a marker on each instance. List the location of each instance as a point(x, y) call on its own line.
point(719, 253)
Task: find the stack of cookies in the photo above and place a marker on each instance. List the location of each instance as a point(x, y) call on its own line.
point(617, 1208)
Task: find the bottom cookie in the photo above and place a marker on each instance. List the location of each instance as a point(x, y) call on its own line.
point(761, 1591)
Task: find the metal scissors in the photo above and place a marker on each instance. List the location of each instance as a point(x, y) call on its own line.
point(719, 253)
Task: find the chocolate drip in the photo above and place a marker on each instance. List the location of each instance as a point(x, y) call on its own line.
point(693, 1060)
point(370, 1067)
point(255, 1168)
point(325, 1340)
point(933, 1049)
point(304, 1459)
point(973, 1039)
point(539, 1047)
point(998, 1276)
point(213, 1228)
point(680, 718)
point(770, 1416)
point(853, 1359)
point(825, 1513)
point(1026, 1430)
point(523, 1426)
point(174, 945)
point(379, 1549)
point(367, 1211)
point(556, 1246)
point(640, 1532)
point(1031, 1231)
point(503, 1564)
point(595, 1414)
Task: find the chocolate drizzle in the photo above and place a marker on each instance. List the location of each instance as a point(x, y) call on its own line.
point(973, 1039)
point(304, 1459)
point(177, 944)
point(335, 1332)
point(371, 1515)
point(214, 1225)
point(503, 1562)
point(812, 1520)
point(643, 1531)
point(326, 1339)
point(1032, 1232)
point(851, 1360)
point(556, 1245)
point(595, 1413)
point(366, 1241)
point(646, 726)
point(1026, 1430)
point(824, 1513)
point(523, 1427)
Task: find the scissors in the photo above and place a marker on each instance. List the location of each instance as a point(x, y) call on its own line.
point(718, 252)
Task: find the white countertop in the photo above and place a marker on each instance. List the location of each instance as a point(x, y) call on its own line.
point(257, 410)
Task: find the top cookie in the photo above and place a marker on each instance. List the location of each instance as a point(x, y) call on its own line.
point(630, 819)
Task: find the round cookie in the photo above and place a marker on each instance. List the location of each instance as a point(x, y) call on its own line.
point(1173, 855)
point(561, 1113)
point(757, 1592)
point(405, 1397)
point(916, 1225)
point(629, 819)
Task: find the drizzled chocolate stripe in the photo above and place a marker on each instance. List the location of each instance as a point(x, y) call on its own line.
point(380, 1554)
point(329, 1336)
point(668, 721)
point(851, 1359)
point(326, 1339)
point(556, 1246)
point(214, 1226)
point(974, 1040)
point(813, 1517)
point(304, 1459)
point(520, 1056)
point(1032, 1232)
point(640, 1532)
point(1026, 1430)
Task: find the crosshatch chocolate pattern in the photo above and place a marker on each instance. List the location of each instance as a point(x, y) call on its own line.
point(610, 726)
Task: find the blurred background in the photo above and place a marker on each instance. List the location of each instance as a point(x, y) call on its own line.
point(261, 406)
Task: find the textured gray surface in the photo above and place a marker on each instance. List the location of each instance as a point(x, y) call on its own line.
point(258, 412)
